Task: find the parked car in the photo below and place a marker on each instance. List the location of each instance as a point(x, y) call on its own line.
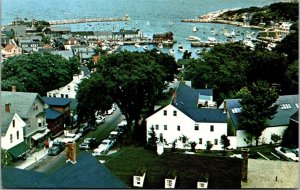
point(88, 143)
point(100, 119)
point(56, 148)
point(85, 129)
point(114, 135)
point(103, 147)
point(287, 153)
point(122, 127)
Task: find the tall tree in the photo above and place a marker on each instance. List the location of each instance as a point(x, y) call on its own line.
point(92, 95)
point(132, 80)
point(38, 72)
point(258, 107)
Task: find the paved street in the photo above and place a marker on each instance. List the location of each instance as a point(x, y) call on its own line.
point(50, 163)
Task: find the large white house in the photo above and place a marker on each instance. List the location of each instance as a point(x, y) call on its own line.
point(287, 106)
point(70, 90)
point(186, 120)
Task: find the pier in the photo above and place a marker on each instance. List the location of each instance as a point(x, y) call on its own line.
point(206, 44)
point(83, 20)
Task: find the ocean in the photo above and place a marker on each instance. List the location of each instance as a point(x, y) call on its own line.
point(151, 16)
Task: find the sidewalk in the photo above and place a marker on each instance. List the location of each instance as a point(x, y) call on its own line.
point(32, 159)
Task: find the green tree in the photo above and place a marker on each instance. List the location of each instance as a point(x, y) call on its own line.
point(221, 68)
point(38, 72)
point(132, 80)
point(257, 107)
point(6, 159)
point(92, 95)
point(225, 142)
point(151, 143)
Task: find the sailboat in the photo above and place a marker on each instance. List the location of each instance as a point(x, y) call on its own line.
point(195, 29)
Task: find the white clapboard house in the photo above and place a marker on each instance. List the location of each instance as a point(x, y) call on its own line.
point(190, 117)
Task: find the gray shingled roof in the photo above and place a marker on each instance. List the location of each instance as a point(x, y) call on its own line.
point(21, 102)
point(52, 101)
point(88, 172)
point(187, 100)
point(6, 118)
point(281, 118)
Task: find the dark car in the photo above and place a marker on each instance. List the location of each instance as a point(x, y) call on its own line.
point(85, 129)
point(88, 143)
point(56, 148)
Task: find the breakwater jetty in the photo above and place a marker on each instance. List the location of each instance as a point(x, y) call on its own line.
point(83, 20)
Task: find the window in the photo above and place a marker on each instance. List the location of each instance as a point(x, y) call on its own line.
point(33, 107)
point(54, 95)
point(169, 182)
point(174, 113)
point(211, 128)
point(200, 140)
point(14, 123)
point(216, 141)
point(196, 127)
point(61, 95)
point(40, 124)
point(11, 138)
point(138, 180)
point(156, 127)
point(69, 88)
point(178, 127)
point(18, 135)
point(49, 94)
point(165, 112)
point(165, 127)
point(36, 107)
point(67, 96)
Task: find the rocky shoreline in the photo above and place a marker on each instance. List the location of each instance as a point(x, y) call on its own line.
point(213, 17)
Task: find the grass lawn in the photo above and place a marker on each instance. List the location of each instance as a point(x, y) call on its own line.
point(223, 172)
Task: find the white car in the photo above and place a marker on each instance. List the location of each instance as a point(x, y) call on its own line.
point(100, 119)
point(287, 153)
point(103, 147)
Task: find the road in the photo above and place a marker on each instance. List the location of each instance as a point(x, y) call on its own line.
point(51, 163)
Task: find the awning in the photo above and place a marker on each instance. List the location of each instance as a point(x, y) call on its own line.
point(19, 150)
point(40, 135)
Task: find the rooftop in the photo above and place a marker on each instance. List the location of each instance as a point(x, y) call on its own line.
point(88, 172)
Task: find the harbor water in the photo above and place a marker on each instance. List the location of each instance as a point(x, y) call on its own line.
point(152, 16)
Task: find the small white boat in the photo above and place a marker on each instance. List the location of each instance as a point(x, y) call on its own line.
point(171, 51)
point(171, 23)
point(137, 45)
point(160, 45)
point(193, 38)
point(145, 47)
point(212, 39)
point(195, 29)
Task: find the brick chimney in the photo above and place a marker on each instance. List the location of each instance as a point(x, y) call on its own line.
point(7, 107)
point(245, 152)
point(71, 152)
point(13, 89)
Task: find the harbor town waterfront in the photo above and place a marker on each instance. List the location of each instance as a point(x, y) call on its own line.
point(151, 94)
point(151, 17)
